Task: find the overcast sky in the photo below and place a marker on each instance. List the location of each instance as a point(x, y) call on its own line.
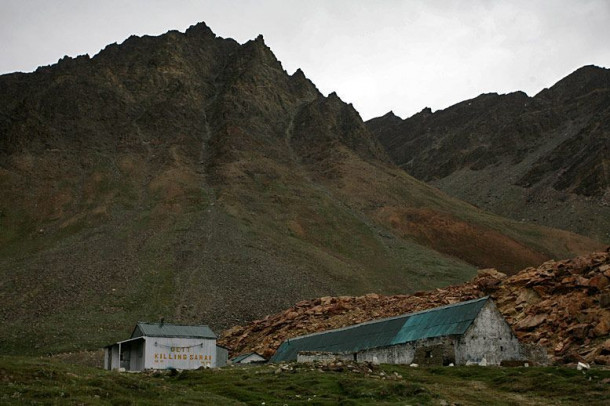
point(400, 55)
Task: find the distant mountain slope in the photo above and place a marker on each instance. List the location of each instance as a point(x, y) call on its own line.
point(190, 177)
point(544, 158)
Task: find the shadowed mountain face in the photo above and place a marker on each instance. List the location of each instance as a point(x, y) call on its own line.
point(544, 158)
point(190, 177)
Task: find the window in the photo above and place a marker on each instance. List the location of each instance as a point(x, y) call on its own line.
point(428, 354)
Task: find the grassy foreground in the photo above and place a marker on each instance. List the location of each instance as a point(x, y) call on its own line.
point(28, 380)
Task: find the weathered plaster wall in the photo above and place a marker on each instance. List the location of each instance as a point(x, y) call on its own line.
point(489, 338)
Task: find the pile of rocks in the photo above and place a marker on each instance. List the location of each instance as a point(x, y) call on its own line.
point(563, 306)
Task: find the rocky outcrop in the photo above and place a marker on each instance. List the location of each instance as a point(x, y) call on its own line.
point(563, 306)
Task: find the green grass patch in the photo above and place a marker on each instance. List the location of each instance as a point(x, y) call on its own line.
point(28, 380)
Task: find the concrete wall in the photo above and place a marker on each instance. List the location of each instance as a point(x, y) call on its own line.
point(490, 338)
point(180, 353)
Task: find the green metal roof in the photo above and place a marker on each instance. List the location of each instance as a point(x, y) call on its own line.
point(438, 322)
point(171, 330)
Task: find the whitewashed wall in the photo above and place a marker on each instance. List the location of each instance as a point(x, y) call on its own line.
point(179, 353)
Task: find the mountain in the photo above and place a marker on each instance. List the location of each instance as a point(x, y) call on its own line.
point(562, 306)
point(544, 159)
point(189, 177)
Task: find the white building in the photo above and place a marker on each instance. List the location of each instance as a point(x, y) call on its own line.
point(165, 346)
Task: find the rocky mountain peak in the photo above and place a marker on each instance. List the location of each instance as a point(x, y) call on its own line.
point(579, 83)
point(257, 51)
point(303, 85)
point(298, 74)
point(391, 115)
point(333, 97)
point(200, 30)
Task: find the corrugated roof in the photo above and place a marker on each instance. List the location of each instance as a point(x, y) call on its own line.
point(438, 322)
point(171, 330)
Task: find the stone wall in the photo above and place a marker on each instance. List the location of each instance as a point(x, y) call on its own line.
point(489, 340)
point(433, 351)
point(429, 352)
point(321, 356)
point(535, 354)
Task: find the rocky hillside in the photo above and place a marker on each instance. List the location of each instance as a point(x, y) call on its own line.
point(563, 306)
point(190, 177)
point(543, 159)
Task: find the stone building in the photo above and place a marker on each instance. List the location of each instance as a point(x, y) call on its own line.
point(166, 346)
point(467, 332)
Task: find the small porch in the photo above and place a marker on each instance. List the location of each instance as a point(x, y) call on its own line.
point(125, 355)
